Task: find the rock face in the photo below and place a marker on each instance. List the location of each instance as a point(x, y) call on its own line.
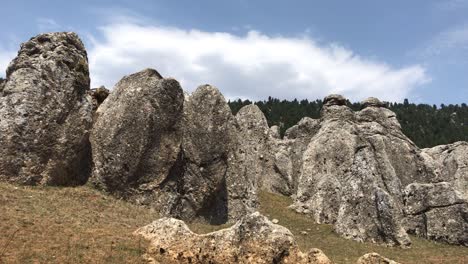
point(155, 146)
point(253, 239)
point(297, 138)
point(2, 83)
point(450, 162)
point(46, 113)
point(200, 186)
point(355, 169)
point(98, 96)
point(136, 137)
point(437, 211)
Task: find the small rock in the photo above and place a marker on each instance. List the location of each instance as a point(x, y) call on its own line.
point(304, 233)
point(275, 221)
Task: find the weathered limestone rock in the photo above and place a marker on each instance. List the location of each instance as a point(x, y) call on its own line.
point(374, 258)
point(2, 83)
point(253, 239)
point(372, 101)
point(200, 188)
point(253, 152)
point(98, 96)
point(46, 113)
point(451, 164)
point(355, 169)
point(297, 138)
point(275, 132)
point(136, 137)
point(264, 157)
point(437, 211)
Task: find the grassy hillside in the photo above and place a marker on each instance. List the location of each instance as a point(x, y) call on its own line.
point(80, 225)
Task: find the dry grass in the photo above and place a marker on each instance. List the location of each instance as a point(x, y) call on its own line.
point(81, 225)
point(346, 251)
point(68, 225)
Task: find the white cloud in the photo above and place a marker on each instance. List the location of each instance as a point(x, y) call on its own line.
point(251, 66)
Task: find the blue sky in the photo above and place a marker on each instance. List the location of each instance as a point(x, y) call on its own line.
point(253, 49)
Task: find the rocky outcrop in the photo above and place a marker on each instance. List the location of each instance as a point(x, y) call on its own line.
point(205, 178)
point(154, 146)
point(374, 258)
point(263, 157)
point(98, 96)
point(355, 169)
point(437, 211)
point(450, 162)
point(136, 137)
point(253, 239)
point(46, 113)
point(2, 83)
point(297, 138)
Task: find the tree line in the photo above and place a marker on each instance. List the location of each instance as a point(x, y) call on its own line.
point(426, 125)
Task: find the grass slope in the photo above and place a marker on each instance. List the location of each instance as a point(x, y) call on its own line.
point(68, 225)
point(346, 251)
point(81, 225)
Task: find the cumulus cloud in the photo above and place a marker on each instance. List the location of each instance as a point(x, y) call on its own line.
point(252, 66)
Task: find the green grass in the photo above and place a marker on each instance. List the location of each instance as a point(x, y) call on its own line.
point(347, 251)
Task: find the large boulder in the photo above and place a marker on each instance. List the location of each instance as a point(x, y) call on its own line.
point(297, 138)
point(46, 113)
point(355, 169)
point(263, 158)
point(437, 211)
point(253, 239)
point(450, 162)
point(200, 188)
point(136, 137)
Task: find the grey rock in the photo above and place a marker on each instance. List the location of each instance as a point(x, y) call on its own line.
point(253, 150)
point(209, 138)
point(2, 84)
point(297, 138)
point(374, 258)
point(98, 96)
point(450, 162)
point(136, 137)
point(372, 102)
point(275, 132)
point(436, 211)
point(253, 239)
point(334, 99)
point(46, 113)
point(354, 171)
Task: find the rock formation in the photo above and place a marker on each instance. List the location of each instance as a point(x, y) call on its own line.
point(46, 113)
point(437, 211)
point(207, 150)
point(2, 83)
point(253, 239)
point(136, 137)
point(374, 258)
point(297, 138)
point(155, 146)
point(450, 162)
point(98, 96)
point(355, 169)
